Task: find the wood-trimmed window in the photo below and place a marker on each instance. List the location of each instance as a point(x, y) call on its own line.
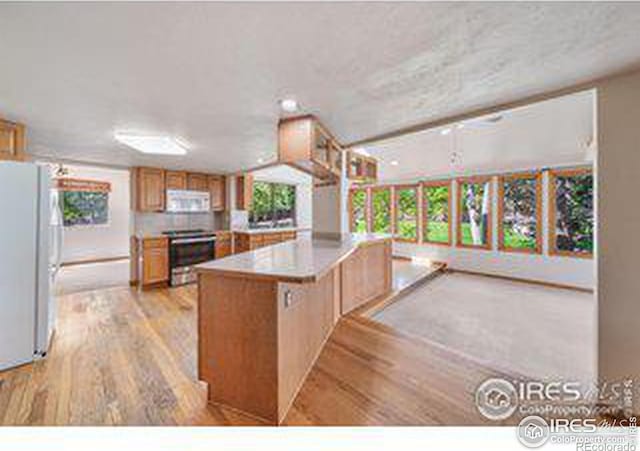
point(405, 201)
point(380, 208)
point(571, 219)
point(520, 212)
point(359, 210)
point(473, 223)
point(436, 212)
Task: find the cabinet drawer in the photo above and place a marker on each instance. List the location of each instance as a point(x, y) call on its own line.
point(153, 243)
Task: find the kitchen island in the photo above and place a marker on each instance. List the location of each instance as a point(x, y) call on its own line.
point(264, 315)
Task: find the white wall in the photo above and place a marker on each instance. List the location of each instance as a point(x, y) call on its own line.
point(574, 272)
point(101, 241)
point(618, 178)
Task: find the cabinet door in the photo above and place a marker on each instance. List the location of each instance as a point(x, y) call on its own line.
point(176, 180)
point(223, 248)
point(151, 189)
point(155, 267)
point(11, 141)
point(217, 185)
point(197, 182)
point(244, 191)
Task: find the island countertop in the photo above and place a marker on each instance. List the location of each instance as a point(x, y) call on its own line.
point(303, 260)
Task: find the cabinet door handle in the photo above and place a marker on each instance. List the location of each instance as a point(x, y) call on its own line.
point(288, 298)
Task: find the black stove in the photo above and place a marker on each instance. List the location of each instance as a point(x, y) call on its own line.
point(187, 248)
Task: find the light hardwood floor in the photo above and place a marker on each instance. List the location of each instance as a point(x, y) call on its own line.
point(122, 357)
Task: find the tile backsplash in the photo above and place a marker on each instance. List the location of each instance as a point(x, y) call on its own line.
point(153, 223)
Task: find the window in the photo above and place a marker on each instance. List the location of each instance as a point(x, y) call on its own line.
point(519, 204)
point(571, 212)
point(83, 208)
point(272, 205)
point(436, 197)
point(406, 217)
point(474, 213)
point(358, 210)
point(381, 210)
point(83, 202)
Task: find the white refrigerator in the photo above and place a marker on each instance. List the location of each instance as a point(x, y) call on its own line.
point(30, 248)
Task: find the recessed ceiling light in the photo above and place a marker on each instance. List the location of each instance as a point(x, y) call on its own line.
point(445, 131)
point(394, 163)
point(260, 160)
point(460, 126)
point(160, 145)
point(289, 105)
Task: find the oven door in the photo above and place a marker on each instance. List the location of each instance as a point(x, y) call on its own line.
point(186, 252)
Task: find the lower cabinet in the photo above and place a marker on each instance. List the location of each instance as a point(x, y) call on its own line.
point(155, 261)
point(251, 241)
point(223, 245)
point(366, 275)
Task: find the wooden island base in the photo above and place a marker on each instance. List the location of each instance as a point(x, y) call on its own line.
point(260, 332)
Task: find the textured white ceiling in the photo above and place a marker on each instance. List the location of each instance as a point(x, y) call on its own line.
point(551, 133)
point(212, 73)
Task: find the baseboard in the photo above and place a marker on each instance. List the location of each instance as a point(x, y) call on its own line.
point(95, 260)
point(522, 280)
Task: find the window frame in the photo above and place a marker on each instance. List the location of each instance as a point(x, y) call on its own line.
point(272, 189)
point(394, 201)
point(551, 225)
point(372, 191)
point(425, 210)
point(367, 208)
point(528, 175)
point(474, 179)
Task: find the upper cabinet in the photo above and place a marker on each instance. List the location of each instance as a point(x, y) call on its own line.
point(149, 189)
point(304, 143)
point(361, 168)
point(149, 186)
point(12, 141)
point(197, 182)
point(176, 180)
point(244, 191)
point(218, 192)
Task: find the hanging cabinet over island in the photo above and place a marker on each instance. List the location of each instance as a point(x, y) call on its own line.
point(264, 315)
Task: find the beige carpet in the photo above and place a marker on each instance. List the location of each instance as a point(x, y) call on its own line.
point(530, 330)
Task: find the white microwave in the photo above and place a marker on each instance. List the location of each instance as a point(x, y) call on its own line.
point(184, 201)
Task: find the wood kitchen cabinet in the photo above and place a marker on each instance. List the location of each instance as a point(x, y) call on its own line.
point(12, 141)
point(155, 261)
point(361, 168)
point(197, 182)
point(218, 192)
point(244, 191)
point(244, 241)
point(224, 247)
point(176, 180)
point(149, 185)
point(304, 143)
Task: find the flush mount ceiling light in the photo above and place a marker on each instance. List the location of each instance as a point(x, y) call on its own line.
point(159, 145)
point(289, 105)
point(362, 151)
point(394, 163)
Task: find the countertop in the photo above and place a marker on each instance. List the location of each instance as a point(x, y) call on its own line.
point(302, 260)
point(273, 230)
